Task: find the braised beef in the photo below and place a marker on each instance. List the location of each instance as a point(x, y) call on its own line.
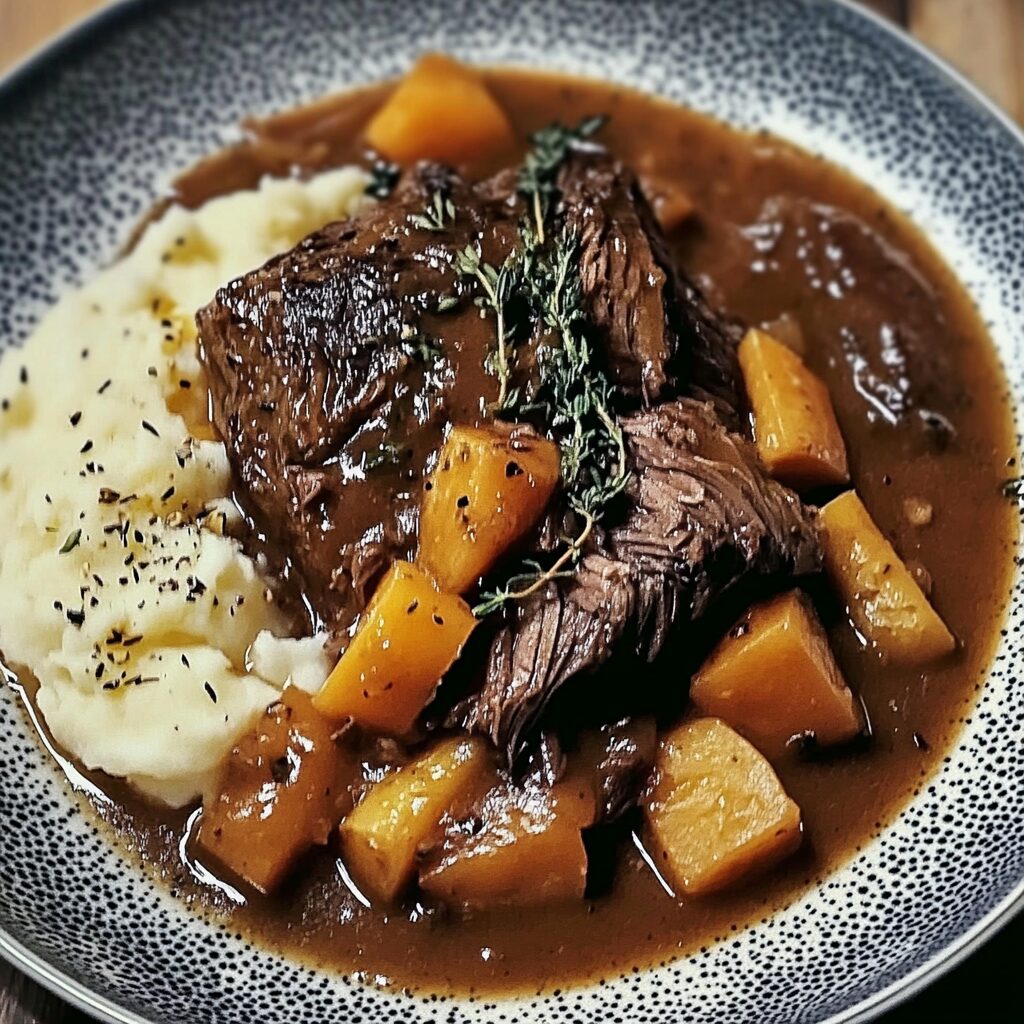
point(703, 518)
point(627, 750)
point(335, 368)
point(334, 374)
point(656, 329)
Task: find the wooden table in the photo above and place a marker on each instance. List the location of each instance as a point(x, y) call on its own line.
point(985, 40)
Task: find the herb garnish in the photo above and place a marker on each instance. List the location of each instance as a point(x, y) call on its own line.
point(537, 176)
point(72, 542)
point(387, 454)
point(439, 213)
point(383, 178)
point(572, 393)
point(498, 286)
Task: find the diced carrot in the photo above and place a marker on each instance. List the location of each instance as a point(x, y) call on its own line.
point(671, 202)
point(281, 792)
point(381, 837)
point(442, 111)
point(528, 850)
point(795, 428)
point(774, 677)
point(883, 599)
point(409, 636)
point(717, 812)
point(490, 486)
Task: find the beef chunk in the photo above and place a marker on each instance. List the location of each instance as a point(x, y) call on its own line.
point(656, 329)
point(331, 385)
point(334, 372)
point(625, 273)
point(703, 519)
point(883, 317)
point(629, 748)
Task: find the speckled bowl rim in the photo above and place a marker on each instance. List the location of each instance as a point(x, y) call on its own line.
point(83, 998)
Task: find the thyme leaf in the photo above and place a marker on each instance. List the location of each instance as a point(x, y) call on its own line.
point(438, 215)
point(549, 148)
point(71, 542)
point(383, 178)
point(499, 287)
point(573, 394)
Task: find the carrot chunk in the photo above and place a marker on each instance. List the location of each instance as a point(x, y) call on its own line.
point(528, 850)
point(882, 597)
point(441, 111)
point(489, 488)
point(774, 677)
point(281, 792)
point(717, 812)
point(410, 635)
point(380, 839)
point(795, 428)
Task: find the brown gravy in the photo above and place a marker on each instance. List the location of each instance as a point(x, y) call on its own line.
point(867, 292)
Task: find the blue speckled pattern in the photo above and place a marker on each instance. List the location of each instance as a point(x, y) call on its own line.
point(88, 140)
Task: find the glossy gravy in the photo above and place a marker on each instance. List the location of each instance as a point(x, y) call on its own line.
point(926, 415)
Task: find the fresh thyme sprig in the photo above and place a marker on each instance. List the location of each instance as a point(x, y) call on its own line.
point(550, 146)
point(576, 394)
point(438, 215)
point(499, 286)
point(573, 394)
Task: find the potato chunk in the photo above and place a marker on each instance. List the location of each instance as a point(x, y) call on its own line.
point(401, 813)
point(490, 486)
point(774, 676)
point(795, 428)
point(717, 811)
point(410, 635)
point(882, 597)
point(441, 111)
point(529, 850)
point(280, 793)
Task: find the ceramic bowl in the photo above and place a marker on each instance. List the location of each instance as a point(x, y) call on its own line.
point(92, 128)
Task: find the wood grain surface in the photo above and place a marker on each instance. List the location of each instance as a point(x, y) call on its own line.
point(982, 38)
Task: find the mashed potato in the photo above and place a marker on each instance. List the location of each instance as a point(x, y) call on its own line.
point(153, 637)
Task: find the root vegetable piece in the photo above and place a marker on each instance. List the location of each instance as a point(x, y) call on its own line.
point(403, 812)
point(529, 850)
point(884, 601)
point(282, 790)
point(410, 634)
point(774, 676)
point(441, 111)
point(795, 428)
point(717, 812)
point(671, 203)
point(490, 486)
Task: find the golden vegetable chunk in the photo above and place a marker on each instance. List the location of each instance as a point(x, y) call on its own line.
point(409, 636)
point(441, 111)
point(490, 486)
point(281, 792)
point(717, 811)
point(795, 428)
point(774, 677)
point(882, 597)
point(671, 203)
point(529, 850)
point(400, 814)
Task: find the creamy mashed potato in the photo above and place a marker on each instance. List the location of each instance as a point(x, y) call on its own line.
point(153, 637)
